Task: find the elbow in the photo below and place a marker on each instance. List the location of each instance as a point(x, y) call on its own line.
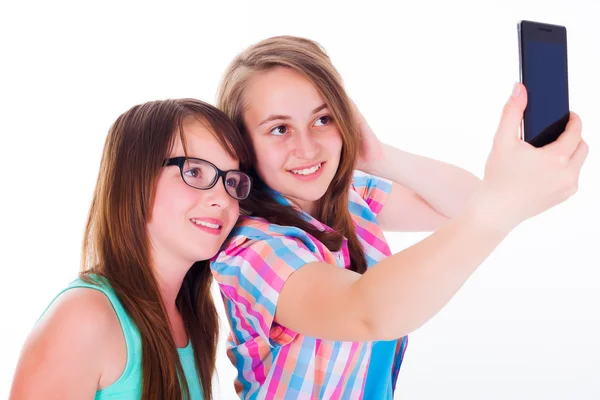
point(379, 328)
point(380, 323)
point(382, 320)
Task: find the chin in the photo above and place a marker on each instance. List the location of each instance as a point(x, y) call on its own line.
point(205, 256)
point(206, 252)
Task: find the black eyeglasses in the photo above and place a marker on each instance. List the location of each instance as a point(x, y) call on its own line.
point(203, 175)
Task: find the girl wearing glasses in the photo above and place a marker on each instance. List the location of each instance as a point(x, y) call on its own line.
point(140, 322)
point(319, 307)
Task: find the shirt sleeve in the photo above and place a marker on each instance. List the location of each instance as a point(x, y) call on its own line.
point(251, 275)
point(374, 190)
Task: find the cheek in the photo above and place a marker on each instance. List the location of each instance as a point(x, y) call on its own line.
point(171, 201)
point(270, 158)
point(333, 142)
point(233, 212)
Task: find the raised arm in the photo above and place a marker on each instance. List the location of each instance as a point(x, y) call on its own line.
point(401, 293)
point(425, 192)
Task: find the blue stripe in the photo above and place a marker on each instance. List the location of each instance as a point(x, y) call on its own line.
point(362, 212)
point(240, 333)
point(226, 270)
point(289, 233)
point(299, 374)
point(239, 366)
point(235, 271)
point(249, 232)
point(354, 373)
point(370, 260)
point(379, 374)
point(398, 361)
point(330, 365)
point(361, 181)
point(292, 233)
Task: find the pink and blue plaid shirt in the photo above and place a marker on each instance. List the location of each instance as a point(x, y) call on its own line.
point(274, 362)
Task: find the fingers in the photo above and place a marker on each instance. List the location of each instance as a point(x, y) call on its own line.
point(568, 142)
point(512, 115)
point(580, 154)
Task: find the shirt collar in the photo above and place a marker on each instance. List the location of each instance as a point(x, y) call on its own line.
point(306, 216)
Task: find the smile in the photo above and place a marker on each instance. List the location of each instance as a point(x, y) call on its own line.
point(307, 171)
point(209, 227)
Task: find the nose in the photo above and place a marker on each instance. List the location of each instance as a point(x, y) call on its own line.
point(305, 145)
point(217, 196)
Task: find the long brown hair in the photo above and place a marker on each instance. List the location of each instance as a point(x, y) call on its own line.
point(116, 245)
point(309, 59)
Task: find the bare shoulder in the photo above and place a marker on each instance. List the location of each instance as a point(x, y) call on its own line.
point(64, 353)
point(79, 314)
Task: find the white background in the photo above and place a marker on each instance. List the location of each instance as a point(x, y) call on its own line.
point(430, 76)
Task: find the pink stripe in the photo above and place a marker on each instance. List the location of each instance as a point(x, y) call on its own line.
point(271, 272)
point(374, 205)
point(258, 368)
point(262, 268)
point(277, 372)
point(231, 293)
point(373, 240)
point(252, 348)
point(344, 377)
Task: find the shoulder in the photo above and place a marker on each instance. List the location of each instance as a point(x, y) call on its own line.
point(369, 191)
point(257, 249)
point(82, 315)
point(364, 183)
point(68, 344)
point(258, 232)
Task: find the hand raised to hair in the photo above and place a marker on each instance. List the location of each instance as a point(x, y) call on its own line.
point(371, 148)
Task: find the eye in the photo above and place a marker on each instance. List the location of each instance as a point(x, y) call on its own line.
point(233, 182)
point(193, 172)
point(279, 130)
point(324, 120)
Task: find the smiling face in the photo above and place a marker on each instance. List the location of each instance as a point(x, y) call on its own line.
point(189, 224)
point(296, 142)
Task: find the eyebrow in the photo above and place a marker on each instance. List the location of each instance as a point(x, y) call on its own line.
point(287, 117)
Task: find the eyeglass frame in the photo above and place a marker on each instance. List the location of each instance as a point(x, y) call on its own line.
point(180, 161)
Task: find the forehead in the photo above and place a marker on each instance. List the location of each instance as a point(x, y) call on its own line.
point(200, 142)
point(281, 91)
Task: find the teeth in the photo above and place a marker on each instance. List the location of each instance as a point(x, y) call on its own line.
point(307, 171)
point(204, 223)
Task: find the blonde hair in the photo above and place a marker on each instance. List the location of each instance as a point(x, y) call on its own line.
point(309, 59)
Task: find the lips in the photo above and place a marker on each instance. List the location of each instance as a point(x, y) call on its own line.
point(209, 225)
point(307, 170)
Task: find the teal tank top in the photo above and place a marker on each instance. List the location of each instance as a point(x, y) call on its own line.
point(129, 384)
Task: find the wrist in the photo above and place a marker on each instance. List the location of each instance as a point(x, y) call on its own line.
point(489, 212)
point(379, 166)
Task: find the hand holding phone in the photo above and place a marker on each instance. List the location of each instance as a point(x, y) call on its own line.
point(521, 181)
point(544, 72)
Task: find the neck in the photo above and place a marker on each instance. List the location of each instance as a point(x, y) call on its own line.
point(169, 289)
point(170, 274)
point(309, 207)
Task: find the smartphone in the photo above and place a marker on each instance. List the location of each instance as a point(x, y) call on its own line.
point(544, 72)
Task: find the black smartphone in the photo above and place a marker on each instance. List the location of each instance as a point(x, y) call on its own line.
point(544, 72)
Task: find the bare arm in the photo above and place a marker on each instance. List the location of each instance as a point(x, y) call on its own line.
point(404, 291)
point(425, 191)
point(406, 211)
point(63, 357)
point(445, 188)
point(394, 297)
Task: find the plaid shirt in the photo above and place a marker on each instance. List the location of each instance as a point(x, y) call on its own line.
point(274, 362)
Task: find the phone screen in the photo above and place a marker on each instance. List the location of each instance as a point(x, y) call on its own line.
point(544, 74)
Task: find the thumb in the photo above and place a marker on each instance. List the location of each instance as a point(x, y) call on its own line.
point(512, 115)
